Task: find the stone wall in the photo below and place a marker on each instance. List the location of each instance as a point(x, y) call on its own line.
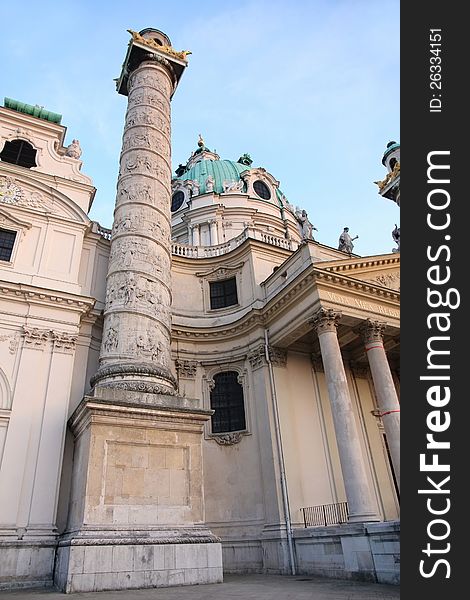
point(361, 551)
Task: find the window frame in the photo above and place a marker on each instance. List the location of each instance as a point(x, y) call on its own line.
point(208, 385)
point(17, 232)
point(234, 408)
point(225, 294)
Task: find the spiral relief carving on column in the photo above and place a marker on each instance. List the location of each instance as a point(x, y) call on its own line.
point(137, 316)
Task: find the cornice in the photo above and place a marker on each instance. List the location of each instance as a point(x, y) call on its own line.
point(81, 304)
point(246, 323)
point(392, 260)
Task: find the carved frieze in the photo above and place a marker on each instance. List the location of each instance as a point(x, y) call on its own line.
point(13, 343)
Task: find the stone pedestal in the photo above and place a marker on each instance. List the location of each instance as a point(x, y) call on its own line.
point(137, 508)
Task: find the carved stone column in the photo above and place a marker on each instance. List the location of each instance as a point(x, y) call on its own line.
point(137, 316)
point(372, 333)
point(358, 493)
point(136, 514)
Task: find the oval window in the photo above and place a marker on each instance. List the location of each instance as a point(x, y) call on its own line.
point(262, 190)
point(177, 200)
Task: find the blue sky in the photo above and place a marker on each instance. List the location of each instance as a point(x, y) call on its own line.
point(310, 89)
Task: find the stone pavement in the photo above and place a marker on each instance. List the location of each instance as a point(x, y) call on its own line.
point(237, 587)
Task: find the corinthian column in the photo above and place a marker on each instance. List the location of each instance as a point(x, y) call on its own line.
point(137, 318)
point(372, 333)
point(356, 484)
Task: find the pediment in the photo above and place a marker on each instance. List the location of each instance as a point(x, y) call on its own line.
point(37, 197)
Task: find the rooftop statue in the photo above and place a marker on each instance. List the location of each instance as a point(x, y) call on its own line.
point(73, 150)
point(305, 226)
point(346, 241)
point(396, 238)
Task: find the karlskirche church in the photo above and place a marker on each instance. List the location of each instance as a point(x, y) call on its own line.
point(205, 388)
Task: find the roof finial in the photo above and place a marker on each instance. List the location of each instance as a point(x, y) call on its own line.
point(201, 142)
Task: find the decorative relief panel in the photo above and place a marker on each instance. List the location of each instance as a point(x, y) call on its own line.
point(13, 342)
point(186, 369)
point(389, 280)
point(11, 192)
point(126, 252)
point(228, 439)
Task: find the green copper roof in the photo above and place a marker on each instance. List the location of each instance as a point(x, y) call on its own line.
point(34, 111)
point(220, 170)
point(390, 148)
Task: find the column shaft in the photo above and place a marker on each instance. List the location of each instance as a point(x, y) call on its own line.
point(137, 316)
point(358, 493)
point(385, 389)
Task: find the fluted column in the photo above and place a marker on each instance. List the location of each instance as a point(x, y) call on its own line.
point(358, 493)
point(137, 316)
point(372, 333)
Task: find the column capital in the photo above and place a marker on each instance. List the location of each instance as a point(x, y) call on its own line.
point(372, 331)
point(325, 319)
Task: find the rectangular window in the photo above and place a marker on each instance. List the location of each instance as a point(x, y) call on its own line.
point(228, 404)
point(7, 241)
point(223, 293)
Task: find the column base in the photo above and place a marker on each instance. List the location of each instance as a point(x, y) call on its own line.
point(124, 563)
point(364, 518)
point(135, 377)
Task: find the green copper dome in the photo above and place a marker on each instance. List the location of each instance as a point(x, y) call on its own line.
point(220, 170)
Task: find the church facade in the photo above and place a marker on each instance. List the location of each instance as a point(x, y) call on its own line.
point(203, 388)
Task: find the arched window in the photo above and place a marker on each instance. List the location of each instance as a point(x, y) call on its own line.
point(19, 152)
point(228, 404)
point(393, 162)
